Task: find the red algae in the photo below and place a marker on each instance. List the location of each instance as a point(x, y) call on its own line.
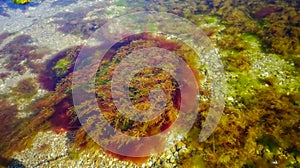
point(238, 143)
point(47, 76)
point(265, 11)
point(140, 89)
point(7, 116)
point(143, 82)
point(56, 110)
point(18, 51)
point(63, 119)
point(3, 36)
point(4, 75)
point(46, 81)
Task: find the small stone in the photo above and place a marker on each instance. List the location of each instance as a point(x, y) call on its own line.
point(172, 160)
point(180, 145)
point(176, 154)
point(173, 149)
point(73, 22)
point(150, 163)
point(230, 98)
point(183, 152)
point(169, 154)
point(167, 165)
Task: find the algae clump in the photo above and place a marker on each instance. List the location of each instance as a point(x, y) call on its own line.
point(21, 1)
point(61, 67)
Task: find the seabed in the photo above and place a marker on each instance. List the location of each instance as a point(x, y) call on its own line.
point(259, 46)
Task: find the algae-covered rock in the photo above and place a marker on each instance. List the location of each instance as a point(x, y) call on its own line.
point(21, 1)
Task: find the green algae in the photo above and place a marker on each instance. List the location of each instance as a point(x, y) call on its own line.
point(21, 1)
point(254, 42)
point(61, 67)
point(213, 20)
point(269, 143)
point(62, 64)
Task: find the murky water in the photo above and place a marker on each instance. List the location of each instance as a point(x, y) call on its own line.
point(243, 55)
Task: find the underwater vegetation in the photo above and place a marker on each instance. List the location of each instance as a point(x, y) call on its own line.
point(51, 112)
point(55, 110)
point(57, 68)
point(255, 131)
point(275, 22)
point(260, 126)
point(261, 134)
point(8, 113)
point(21, 1)
point(25, 89)
point(139, 89)
point(76, 24)
point(21, 56)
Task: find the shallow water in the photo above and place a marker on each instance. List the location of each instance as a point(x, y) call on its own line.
point(57, 92)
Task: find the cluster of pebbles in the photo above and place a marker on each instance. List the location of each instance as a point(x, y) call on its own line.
point(47, 146)
point(52, 150)
point(170, 158)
